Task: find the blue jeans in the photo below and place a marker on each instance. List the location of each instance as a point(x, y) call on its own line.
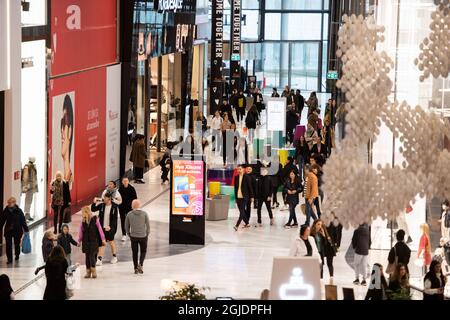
point(309, 213)
point(301, 165)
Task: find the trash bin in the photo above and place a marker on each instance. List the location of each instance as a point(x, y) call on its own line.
point(217, 208)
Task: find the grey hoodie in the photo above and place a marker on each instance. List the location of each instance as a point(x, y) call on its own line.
point(137, 224)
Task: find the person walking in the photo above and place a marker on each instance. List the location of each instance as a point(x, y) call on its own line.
point(299, 101)
point(138, 157)
point(108, 212)
point(226, 136)
point(361, 244)
point(60, 200)
point(378, 284)
point(252, 178)
point(325, 245)
point(6, 291)
point(241, 105)
point(319, 148)
point(434, 282)
point(264, 194)
point(286, 92)
point(216, 125)
point(243, 192)
point(55, 273)
point(65, 240)
point(250, 122)
point(445, 219)
point(292, 188)
point(137, 226)
point(424, 251)
point(292, 119)
point(335, 230)
point(129, 194)
point(302, 155)
point(240, 151)
point(46, 247)
point(275, 93)
point(399, 253)
point(91, 237)
point(258, 100)
point(311, 190)
point(13, 219)
point(276, 183)
point(304, 245)
point(312, 103)
point(116, 196)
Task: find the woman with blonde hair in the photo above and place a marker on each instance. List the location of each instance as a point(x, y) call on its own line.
point(91, 237)
point(424, 251)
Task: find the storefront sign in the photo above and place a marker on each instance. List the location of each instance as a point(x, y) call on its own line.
point(83, 34)
point(170, 5)
point(235, 52)
point(187, 194)
point(216, 54)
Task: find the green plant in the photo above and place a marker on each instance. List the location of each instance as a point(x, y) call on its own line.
point(185, 292)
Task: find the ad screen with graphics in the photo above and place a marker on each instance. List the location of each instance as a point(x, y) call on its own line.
point(188, 187)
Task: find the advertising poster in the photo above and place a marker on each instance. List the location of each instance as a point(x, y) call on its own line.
point(235, 52)
point(83, 34)
point(112, 163)
point(188, 187)
point(78, 131)
point(276, 114)
point(216, 55)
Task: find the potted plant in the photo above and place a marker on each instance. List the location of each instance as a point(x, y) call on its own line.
point(184, 291)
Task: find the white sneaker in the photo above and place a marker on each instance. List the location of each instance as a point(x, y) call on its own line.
point(114, 260)
point(285, 208)
point(99, 262)
point(124, 238)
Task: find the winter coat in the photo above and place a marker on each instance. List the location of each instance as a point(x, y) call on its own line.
point(91, 235)
point(264, 188)
point(47, 247)
point(128, 195)
point(65, 241)
point(14, 222)
point(112, 218)
point(402, 251)
point(293, 199)
point(55, 272)
point(138, 154)
point(361, 240)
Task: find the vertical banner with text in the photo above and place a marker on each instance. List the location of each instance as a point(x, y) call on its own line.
point(216, 80)
point(235, 50)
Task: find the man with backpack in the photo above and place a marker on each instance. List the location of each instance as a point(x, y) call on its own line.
point(241, 105)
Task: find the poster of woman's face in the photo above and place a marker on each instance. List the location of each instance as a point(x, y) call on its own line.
point(63, 124)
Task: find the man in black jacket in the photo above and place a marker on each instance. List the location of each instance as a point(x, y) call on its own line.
point(258, 100)
point(400, 250)
point(299, 101)
point(107, 213)
point(253, 181)
point(361, 243)
point(243, 192)
point(264, 194)
point(13, 219)
point(319, 148)
point(128, 193)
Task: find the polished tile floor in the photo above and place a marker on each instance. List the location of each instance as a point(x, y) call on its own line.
point(231, 264)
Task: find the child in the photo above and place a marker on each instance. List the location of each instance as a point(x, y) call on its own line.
point(47, 246)
point(165, 163)
point(65, 239)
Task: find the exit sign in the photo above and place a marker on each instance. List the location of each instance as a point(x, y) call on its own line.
point(332, 75)
point(235, 57)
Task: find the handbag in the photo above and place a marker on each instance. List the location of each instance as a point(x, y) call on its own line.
point(303, 208)
point(26, 243)
point(420, 261)
point(70, 285)
point(67, 215)
point(391, 266)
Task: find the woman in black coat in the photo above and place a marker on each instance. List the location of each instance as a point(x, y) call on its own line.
point(55, 272)
point(292, 188)
point(302, 155)
point(276, 183)
point(325, 245)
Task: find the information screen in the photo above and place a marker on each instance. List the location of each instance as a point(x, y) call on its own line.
point(276, 114)
point(188, 187)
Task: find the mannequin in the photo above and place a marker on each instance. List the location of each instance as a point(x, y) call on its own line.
point(29, 185)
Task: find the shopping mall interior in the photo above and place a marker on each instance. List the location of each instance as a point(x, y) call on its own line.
point(224, 149)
